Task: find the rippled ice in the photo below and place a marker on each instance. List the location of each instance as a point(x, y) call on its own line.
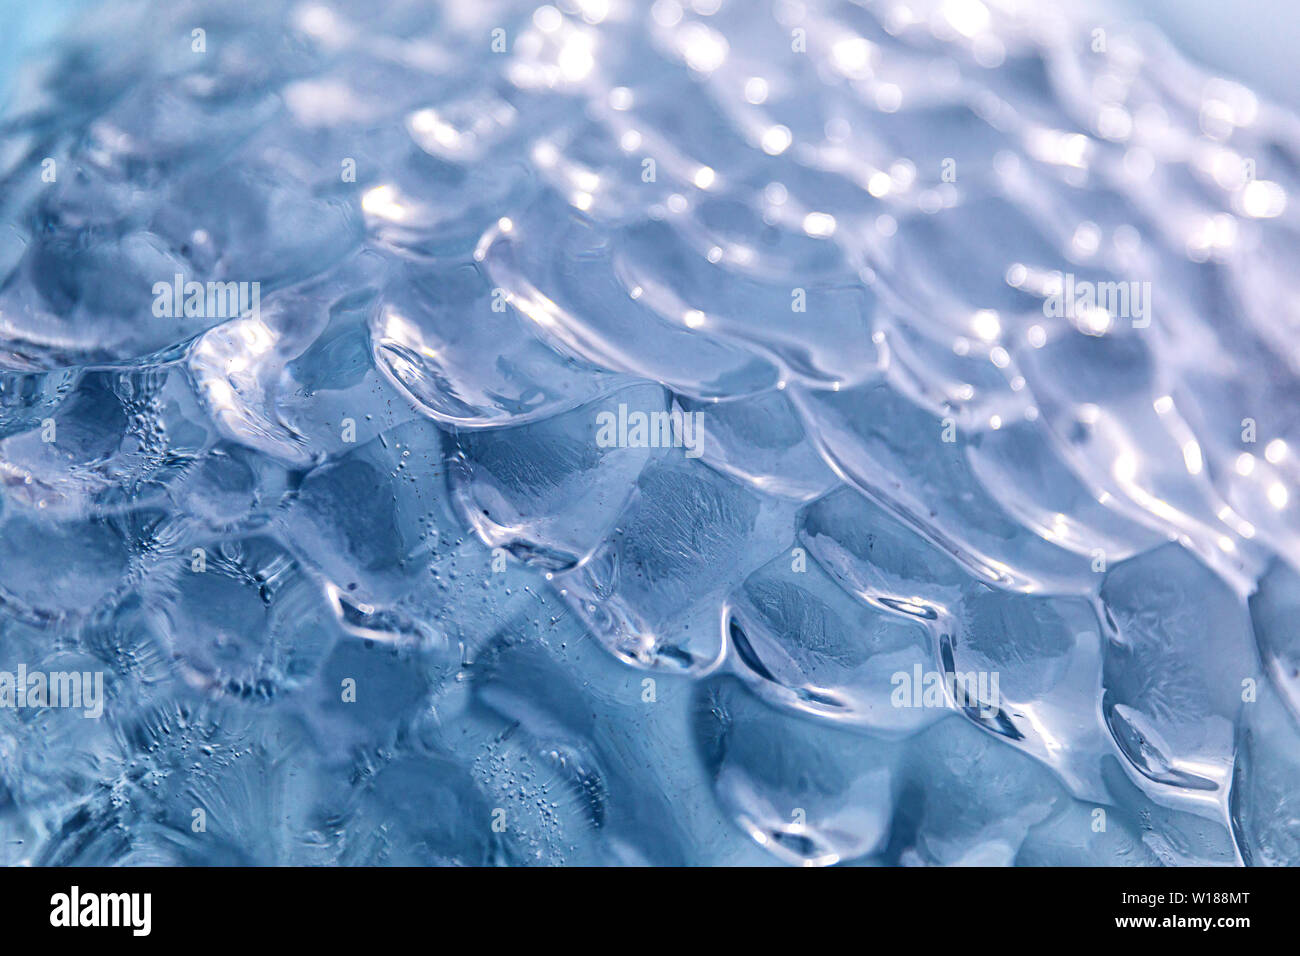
point(832, 231)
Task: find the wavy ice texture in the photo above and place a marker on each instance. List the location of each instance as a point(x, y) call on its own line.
point(393, 476)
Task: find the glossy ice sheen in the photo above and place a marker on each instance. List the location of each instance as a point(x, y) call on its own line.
point(571, 652)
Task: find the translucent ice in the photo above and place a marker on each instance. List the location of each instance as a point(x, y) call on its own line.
point(644, 433)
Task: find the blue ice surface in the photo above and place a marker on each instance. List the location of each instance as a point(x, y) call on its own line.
point(414, 556)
